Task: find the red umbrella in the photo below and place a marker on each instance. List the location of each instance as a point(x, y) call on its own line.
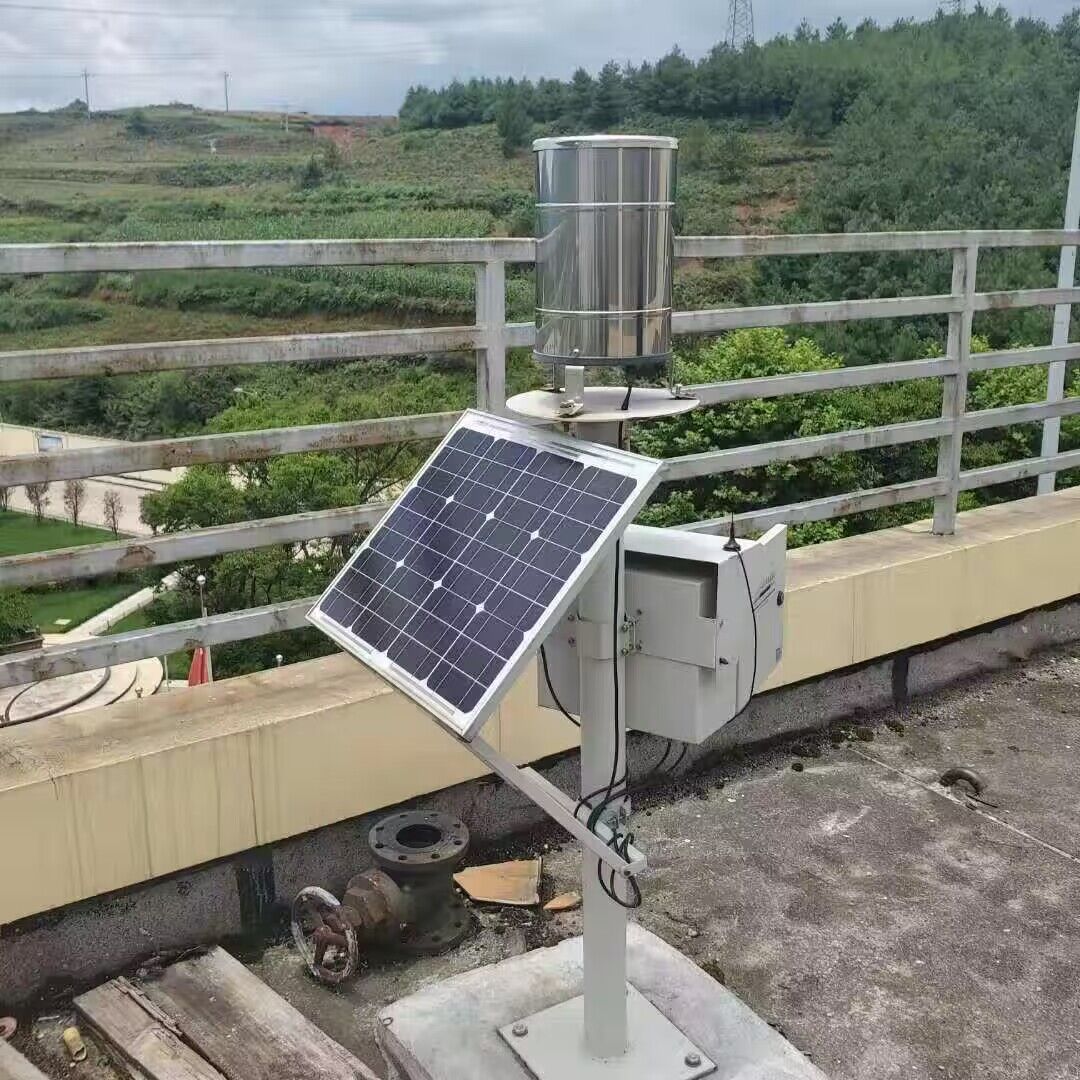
point(199, 672)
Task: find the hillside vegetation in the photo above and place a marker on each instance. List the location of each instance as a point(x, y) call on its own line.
point(962, 121)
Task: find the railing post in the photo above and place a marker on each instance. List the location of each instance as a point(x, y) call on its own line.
point(1055, 373)
point(954, 390)
point(491, 317)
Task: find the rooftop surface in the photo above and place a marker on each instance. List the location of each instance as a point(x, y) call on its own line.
point(888, 927)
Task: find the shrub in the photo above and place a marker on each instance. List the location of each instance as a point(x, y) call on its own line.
point(311, 175)
point(16, 620)
point(33, 313)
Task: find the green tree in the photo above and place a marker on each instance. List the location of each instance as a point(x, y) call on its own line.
point(812, 113)
point(694, 145)
point(580, 97)
point(16, 618)
point(512, 123)
point(609, 99)
point(208, 495)
point(333, 160)
point(755, 353)
point(730, 154)
point(137, 126)
point(311, 175)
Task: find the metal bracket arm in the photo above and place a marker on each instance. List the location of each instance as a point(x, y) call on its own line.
point(560, 806)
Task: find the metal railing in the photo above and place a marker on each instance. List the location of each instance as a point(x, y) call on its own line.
point(490, 337)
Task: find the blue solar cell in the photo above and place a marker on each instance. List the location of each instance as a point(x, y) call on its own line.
point(468, 561)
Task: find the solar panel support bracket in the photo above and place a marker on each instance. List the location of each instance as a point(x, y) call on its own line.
point(561, 807)
point(594, 639)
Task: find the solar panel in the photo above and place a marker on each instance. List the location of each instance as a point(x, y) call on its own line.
point(478, 559)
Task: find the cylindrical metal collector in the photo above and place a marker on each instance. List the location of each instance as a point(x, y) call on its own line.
point(604, 249)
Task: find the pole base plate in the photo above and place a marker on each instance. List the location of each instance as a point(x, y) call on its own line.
point(452, 1030)
point(551, 1044)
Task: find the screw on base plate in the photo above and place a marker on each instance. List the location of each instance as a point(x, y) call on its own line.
point(693, 1059)
point(520, 1029)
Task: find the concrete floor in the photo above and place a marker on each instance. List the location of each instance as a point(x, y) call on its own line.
point(887, 927)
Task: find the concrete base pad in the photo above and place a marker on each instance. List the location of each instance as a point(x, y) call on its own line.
point(450, 1031)
point(551, 1046)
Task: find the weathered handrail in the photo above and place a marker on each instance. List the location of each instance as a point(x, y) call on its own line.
point(490, 336)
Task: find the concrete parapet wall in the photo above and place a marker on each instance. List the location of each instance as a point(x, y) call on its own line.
point(114, 798)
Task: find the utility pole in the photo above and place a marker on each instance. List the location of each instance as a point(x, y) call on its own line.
point(286, 118)
point(86, 90)
point(740, 28)
point(225, 80)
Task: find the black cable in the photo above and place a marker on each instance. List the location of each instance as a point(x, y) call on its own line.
point(679, 760)
point(635, 901)
point(753, 616)
point(612, 782)
point(663, 757)
point(551, 689)
point(620, 845)
point(624, 407)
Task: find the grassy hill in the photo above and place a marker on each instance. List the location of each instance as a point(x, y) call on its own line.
point(185, 174)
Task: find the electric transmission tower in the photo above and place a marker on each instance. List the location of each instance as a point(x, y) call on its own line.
point(953, 7)
point(740, 23)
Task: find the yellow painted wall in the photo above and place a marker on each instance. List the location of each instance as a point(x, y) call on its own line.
point(98, 800)
point(19, 439)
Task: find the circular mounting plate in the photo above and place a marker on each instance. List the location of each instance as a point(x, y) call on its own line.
point(603, 405)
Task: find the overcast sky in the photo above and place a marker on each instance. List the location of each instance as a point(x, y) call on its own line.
point(361, 56)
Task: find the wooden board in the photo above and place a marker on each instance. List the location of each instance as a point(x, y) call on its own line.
point(13, 1066)
point(242, 1027)
point(149, 1047)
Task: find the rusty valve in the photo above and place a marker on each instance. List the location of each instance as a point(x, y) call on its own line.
point(406, 901)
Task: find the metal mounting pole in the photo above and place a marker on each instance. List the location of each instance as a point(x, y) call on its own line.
point(1055, 373)
point(603, 739)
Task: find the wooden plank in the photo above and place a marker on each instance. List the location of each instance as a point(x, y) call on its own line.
point(149, 1046)
point(13, 1066)
point(240, 1025)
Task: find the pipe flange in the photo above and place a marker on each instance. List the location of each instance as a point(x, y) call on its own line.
point(444, 928)
point(419, 842)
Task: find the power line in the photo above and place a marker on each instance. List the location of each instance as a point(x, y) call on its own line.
point(402, 51)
